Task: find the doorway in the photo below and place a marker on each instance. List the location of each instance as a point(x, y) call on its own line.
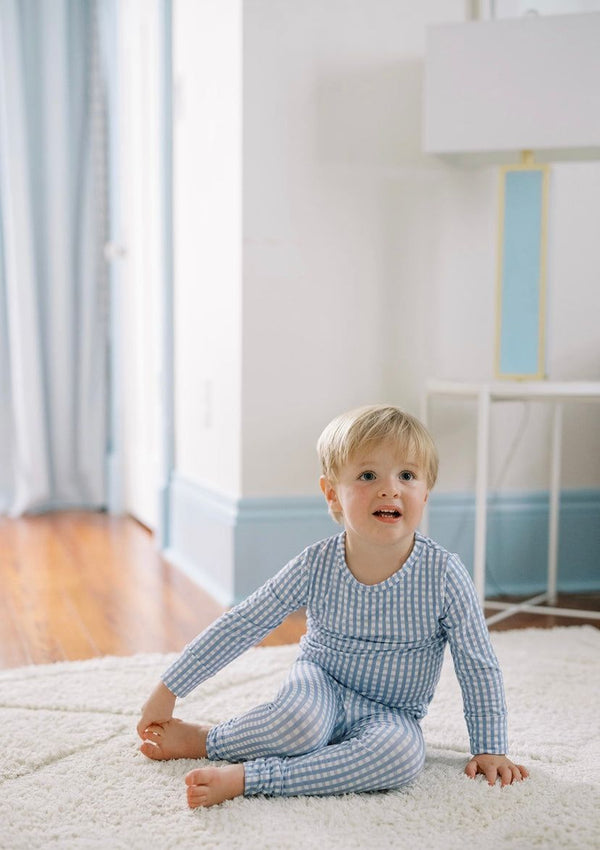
point(138, 57)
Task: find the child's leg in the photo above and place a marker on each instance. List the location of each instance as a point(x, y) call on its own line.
point(302, 718)
point(383, 753)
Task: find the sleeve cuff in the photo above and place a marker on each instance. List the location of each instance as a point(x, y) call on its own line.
point(488, 734)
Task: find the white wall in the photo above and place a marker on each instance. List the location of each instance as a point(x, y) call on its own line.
point(207, 55)
point(361, 266)
point(332, 106)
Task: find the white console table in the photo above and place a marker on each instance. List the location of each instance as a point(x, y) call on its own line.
point(554, 393)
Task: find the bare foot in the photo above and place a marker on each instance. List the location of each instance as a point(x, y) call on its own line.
point(208, 786)
point(175, 740)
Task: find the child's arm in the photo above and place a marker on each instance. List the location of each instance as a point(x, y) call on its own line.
point(480, 678)
point(234, 632)
point(495, 767)
point(475, 663)
point(157, 709)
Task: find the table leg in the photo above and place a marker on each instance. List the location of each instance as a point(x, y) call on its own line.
point(481, 488)
point(424, 525)
point(555, 465)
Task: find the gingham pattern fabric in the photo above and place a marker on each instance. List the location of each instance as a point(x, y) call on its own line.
point(333, 740)
point(384, 641)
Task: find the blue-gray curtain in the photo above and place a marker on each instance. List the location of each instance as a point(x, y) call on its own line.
point(53, 301)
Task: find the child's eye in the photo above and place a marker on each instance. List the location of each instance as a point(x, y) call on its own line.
point(366, 476)
point(407, 475)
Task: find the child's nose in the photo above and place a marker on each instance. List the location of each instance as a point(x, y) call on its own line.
point(389, 490)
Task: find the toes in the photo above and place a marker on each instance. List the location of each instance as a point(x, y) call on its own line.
point(196, 777)
point(151, 750)
point(196, 804)
point(198, 795)
point(198, 791)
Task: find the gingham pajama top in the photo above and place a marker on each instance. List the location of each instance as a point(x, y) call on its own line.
point(384, 641)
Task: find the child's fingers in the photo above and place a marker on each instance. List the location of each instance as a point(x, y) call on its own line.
point(491, 774)
point(519, 772)
point(506, 775)
point(154, 729)
point(471, 769)
point(144, 729)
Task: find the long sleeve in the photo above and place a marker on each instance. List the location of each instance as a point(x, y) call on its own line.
point(475, 663)
point(240, 628)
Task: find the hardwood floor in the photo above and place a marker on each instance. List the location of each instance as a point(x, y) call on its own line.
point(78, 585)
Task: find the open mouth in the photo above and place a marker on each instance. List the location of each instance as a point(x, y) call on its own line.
point(392, 514)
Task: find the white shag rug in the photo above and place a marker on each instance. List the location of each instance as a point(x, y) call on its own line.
point(71, 776)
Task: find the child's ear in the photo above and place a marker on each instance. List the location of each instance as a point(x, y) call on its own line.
point(329, 492)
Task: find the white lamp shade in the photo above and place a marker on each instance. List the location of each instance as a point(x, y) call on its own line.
point(496, 88)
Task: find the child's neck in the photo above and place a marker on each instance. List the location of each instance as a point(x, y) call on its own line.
point(372, 565)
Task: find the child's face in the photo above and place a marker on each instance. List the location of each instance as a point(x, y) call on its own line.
point(381, 493)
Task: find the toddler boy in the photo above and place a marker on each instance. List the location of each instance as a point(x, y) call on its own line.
point(382, 602)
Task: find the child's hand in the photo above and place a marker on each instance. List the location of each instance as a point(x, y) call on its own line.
point(496, 767)
point(158, 709)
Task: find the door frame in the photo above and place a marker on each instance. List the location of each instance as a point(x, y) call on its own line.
point(114, 254)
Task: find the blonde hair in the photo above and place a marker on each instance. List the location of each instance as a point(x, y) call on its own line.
point(357, 429)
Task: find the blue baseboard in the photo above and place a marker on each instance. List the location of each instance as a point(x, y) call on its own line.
point(517, 538)
point(231, 546)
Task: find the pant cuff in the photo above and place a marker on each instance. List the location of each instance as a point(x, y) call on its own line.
point(263, 776)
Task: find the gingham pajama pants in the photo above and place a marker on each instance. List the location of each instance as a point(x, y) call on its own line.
point(318, 737)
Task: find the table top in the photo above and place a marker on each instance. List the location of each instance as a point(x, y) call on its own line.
point(556, 390)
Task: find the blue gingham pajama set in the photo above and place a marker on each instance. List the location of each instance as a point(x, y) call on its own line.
point(347, 718)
